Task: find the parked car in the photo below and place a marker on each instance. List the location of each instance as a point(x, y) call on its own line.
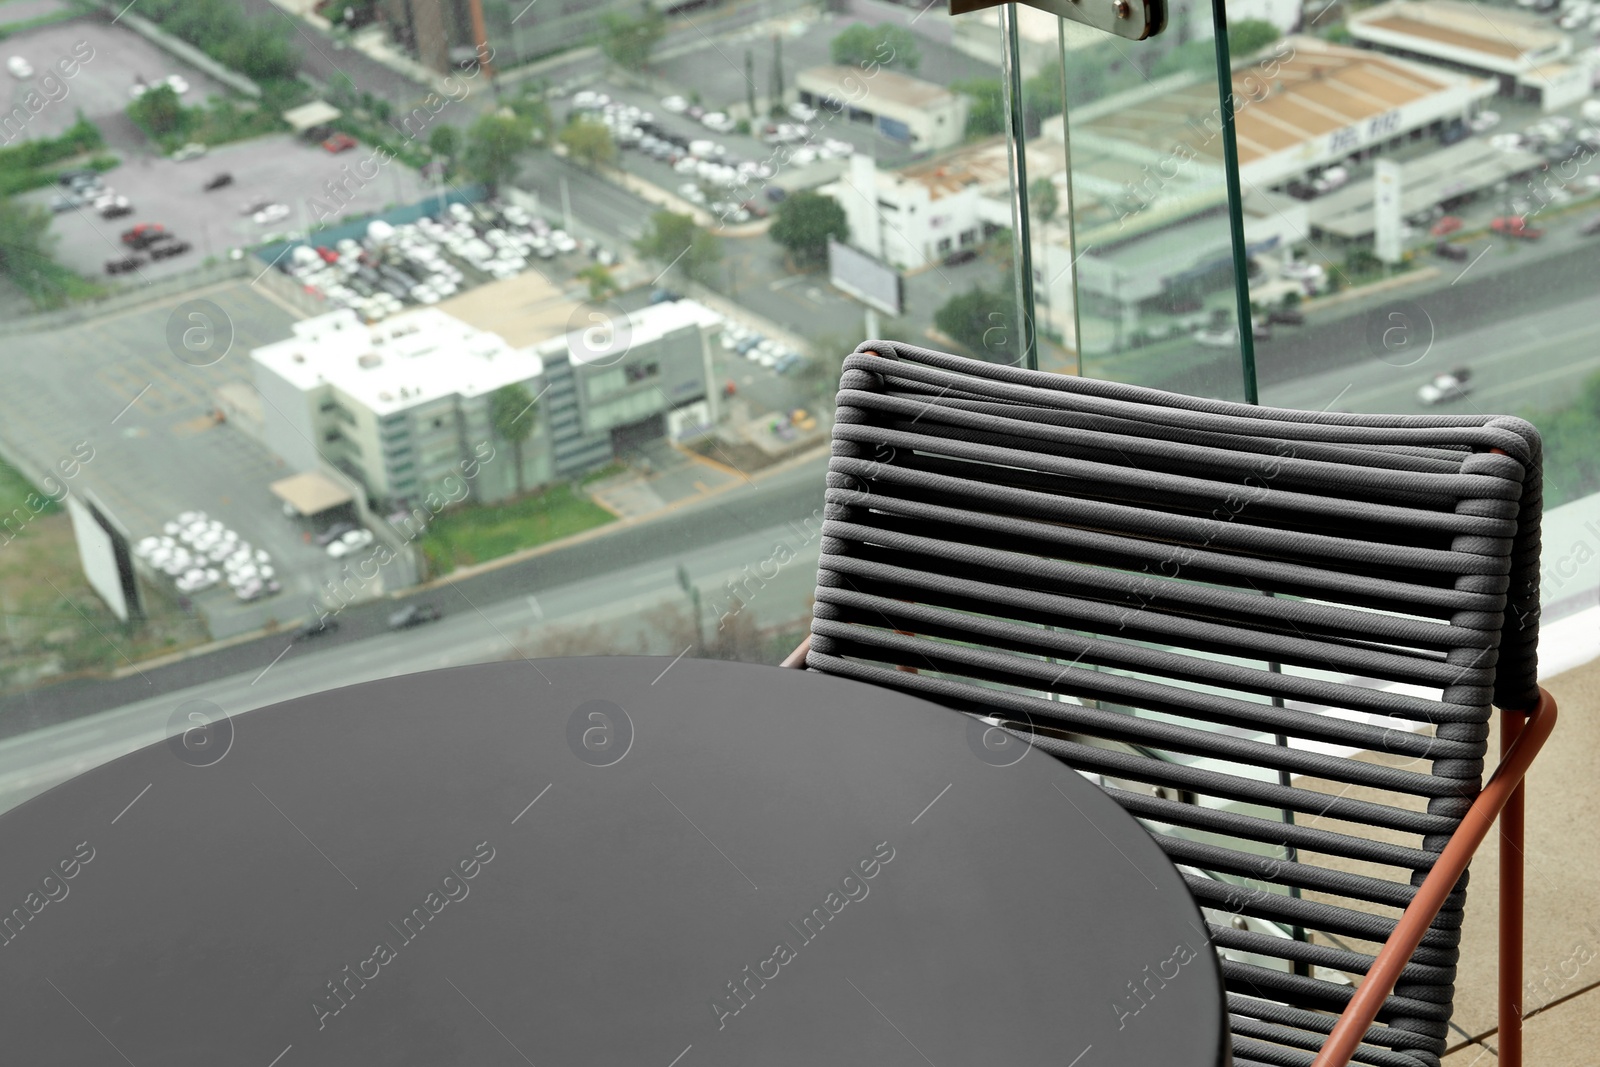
point(169, 247)
point(192, 150)
point(1287, 316)
point(1329, 180)
point(143, 235)
point(1217, 336)
point(1591, 226)
point(1515, 226)
point(354, 541)
point(318, 627)
point(960, 256)
point(123, 265)
point(339, 142)
point(1446, 250)
point(19, 67)
point(115, 208)
point(67, 201)
point(413, 615)
point(1446, 226)
point(1445, 387)
point(217, 181)
point(664, 296)
point(270, 214)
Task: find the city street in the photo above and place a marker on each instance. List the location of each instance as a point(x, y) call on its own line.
point(559, 620)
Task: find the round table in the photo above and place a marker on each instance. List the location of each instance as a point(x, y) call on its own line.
point(595, 861)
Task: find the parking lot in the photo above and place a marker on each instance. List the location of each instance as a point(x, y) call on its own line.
point(157, 452)
point(118, 57)
point(278, 168)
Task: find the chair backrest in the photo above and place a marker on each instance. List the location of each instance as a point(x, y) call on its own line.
point(1235, 616)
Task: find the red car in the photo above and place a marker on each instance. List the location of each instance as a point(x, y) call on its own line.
point(143, 235)
point(328, 255)
point(1515, 226)
point(1446, 226)
point(339, 142)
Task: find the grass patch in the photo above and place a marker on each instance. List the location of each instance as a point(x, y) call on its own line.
point(476, 533)
point(56, 627)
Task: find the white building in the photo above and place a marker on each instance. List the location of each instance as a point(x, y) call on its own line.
point(404, 406)
point(915, 217)
point(1526, 56)
point(913, 112)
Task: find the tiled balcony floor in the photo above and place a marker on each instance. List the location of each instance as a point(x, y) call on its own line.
point(1562, 950)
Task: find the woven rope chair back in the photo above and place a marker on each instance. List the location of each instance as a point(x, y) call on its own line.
point(1273, 636)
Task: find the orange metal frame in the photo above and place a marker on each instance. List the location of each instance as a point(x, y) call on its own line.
point(1523, 733)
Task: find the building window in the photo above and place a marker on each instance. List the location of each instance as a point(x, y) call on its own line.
point(969, 236)
point(638, 372)
point(944, 244)
point(606, 383)
point(438, 423)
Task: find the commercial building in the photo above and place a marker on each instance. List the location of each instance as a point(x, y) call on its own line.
point(1526, 57)
point(914, 217)
point(405, 407)
point(912, 112)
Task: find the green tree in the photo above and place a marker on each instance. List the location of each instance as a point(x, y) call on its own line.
point(444, 141)
point(512, 416)
point(984, 322)
point(24, 238)
point(1043, 200)
point(987, 114)
point(495, 144)
point(159, 111)
point(888, 46)
point(588, 142)
point(674, 240)
point(805, 222)
point(628, 40)
point(1248, 36)
point(601, 283)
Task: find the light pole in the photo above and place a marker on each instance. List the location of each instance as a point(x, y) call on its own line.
point(693, 592)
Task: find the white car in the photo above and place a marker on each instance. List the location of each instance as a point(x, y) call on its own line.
point(1330, 179)
point(1225, 337)
point(1302, 271)
point(354, 541)
point(192, 150)
point(271, 213)
point(1444, 388)
point(677, 105)
point(19, 67)
point(179, 84)
point(1484, 120)
point(801, 113)
point(692, 193)
point(717, 121)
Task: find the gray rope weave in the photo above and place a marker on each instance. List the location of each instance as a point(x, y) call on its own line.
point(1110, 570)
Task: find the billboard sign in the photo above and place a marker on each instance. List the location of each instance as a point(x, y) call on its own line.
point(874, 283)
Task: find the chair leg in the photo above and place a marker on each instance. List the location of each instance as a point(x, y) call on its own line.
point(1511, 915)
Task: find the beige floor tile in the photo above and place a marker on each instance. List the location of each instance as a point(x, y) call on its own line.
point(1566, 1035)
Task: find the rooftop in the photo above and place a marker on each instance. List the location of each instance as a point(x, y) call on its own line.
point(1491, 31)
point(846, 83)
point(583, 345)
point(1286, 100)
point(413, 358)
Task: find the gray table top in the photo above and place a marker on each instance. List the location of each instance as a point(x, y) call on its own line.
point(595, 861)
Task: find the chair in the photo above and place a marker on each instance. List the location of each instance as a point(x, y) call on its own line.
point(1235, 617)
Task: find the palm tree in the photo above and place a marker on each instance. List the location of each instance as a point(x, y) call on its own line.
point(511, 415)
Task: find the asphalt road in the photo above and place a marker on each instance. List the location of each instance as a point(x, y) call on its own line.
point(560, 619)
point(612, 561)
